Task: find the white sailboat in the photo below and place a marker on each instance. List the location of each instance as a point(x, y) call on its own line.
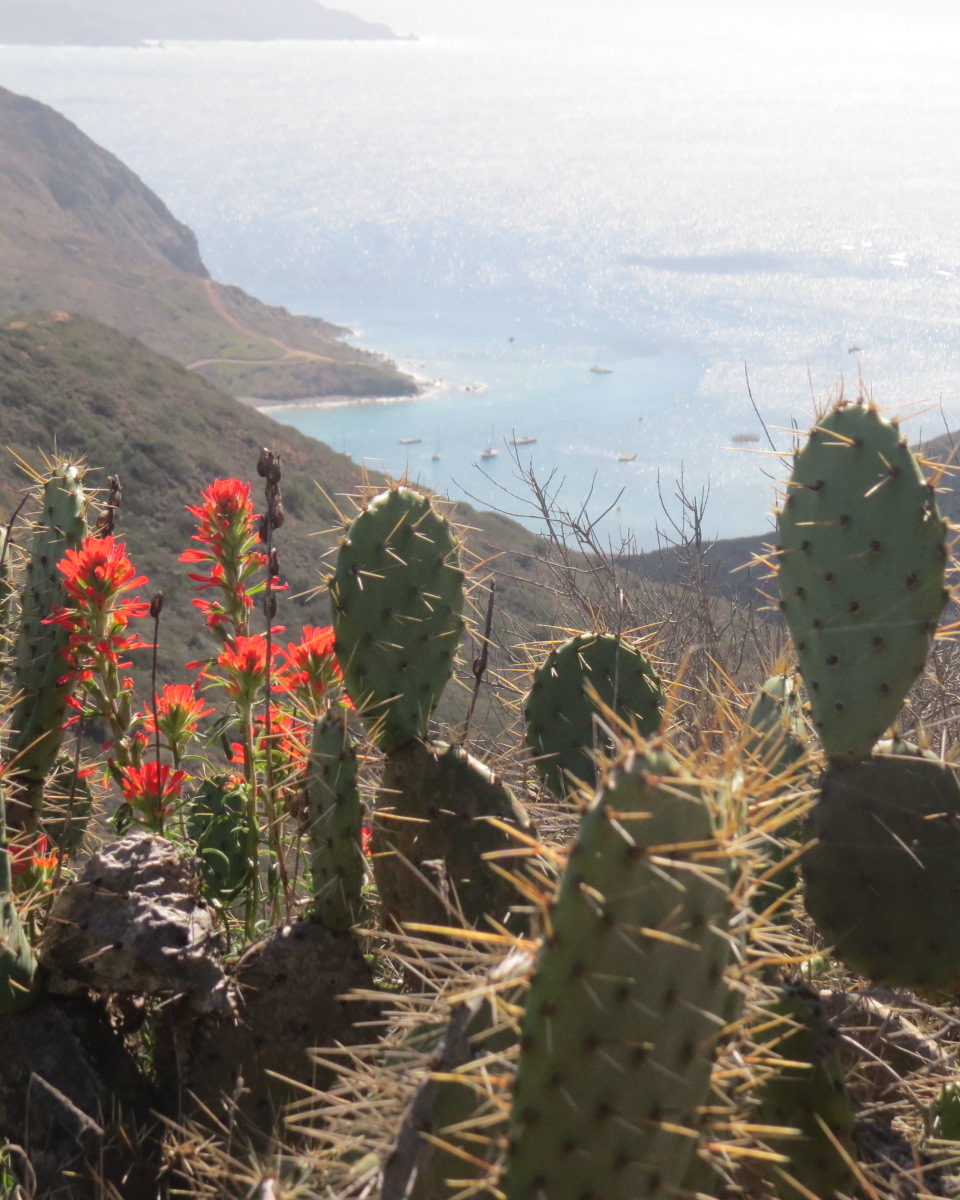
point(491, 451)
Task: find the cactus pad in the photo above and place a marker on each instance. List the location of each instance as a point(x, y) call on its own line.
point(561, 706)
point(433, 824)
point(36, 725)
point(334, 823)
point(881, 881)
point(624, 1009)
point(398, 597)
point(862, 552)
point(806, 1090)
point(19, 982)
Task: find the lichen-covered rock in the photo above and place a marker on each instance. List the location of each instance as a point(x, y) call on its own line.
point(134, 922)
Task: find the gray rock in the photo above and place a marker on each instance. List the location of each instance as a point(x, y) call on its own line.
point(134, 922)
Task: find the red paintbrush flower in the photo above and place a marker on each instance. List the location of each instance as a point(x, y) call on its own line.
point(313, 667)
point(227, 540)
point(243, 663)
point(152, 789)
point(178, 712)
point(96, 578)
point(28, 860)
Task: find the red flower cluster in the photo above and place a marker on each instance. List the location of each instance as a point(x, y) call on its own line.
point(178, 712)
point(288, 745)
point(313, 668)
point(152, 790)
point(244, 665)
point(39, 857)
point(226, 533)
point(95, 578)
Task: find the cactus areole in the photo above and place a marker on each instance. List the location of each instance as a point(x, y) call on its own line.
point(398, 598)
point(862, 554)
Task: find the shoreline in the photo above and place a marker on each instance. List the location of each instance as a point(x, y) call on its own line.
point(264, 404)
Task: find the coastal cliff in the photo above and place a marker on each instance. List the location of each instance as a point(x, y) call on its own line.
point(80, 232)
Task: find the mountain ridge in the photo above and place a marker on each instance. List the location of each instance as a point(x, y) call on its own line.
point(134, 22)
point(81, 232)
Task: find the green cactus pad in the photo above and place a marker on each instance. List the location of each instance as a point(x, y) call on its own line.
point(560, 713)
point(862, 552)
point(36, 725)
point(19, 981)
point(881, 882)
point(449, 1129)
point(398, 597)
point(433, 824)
point(625, 1007)
point(334, 823)
point(807, 1089)
point(773, 732)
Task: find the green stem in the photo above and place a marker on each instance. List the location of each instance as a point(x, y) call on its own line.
point(252, 906)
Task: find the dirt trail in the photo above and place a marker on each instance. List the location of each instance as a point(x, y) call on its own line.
point(287, 352)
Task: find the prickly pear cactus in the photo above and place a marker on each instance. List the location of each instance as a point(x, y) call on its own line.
point(217, 824)
point(334, 823)
point(626, 1002)
point(773, 731)
point(880, 882)
point(862, 552)
point(35, 727)
point(577, 679)
point(805, 1093)
point(397, 595)
point(19, 983)
point(438, 812)
point(449, 1131)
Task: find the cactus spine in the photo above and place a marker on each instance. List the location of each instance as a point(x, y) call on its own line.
point(334, 823)
point(35, 735)
point(576, 682)
point(625, 1006)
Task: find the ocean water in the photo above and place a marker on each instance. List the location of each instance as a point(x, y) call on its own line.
point(687, 197)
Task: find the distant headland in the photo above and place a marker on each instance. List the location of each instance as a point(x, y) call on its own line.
point(136, 22)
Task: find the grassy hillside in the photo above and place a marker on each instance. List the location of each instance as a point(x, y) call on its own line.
point(80, 232)
point(71, 383)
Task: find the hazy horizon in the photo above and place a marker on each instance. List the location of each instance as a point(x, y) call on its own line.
point(858, 19)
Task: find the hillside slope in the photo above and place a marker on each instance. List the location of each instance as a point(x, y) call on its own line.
point(71, 383)
point(79, 231)
point(127, 22)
